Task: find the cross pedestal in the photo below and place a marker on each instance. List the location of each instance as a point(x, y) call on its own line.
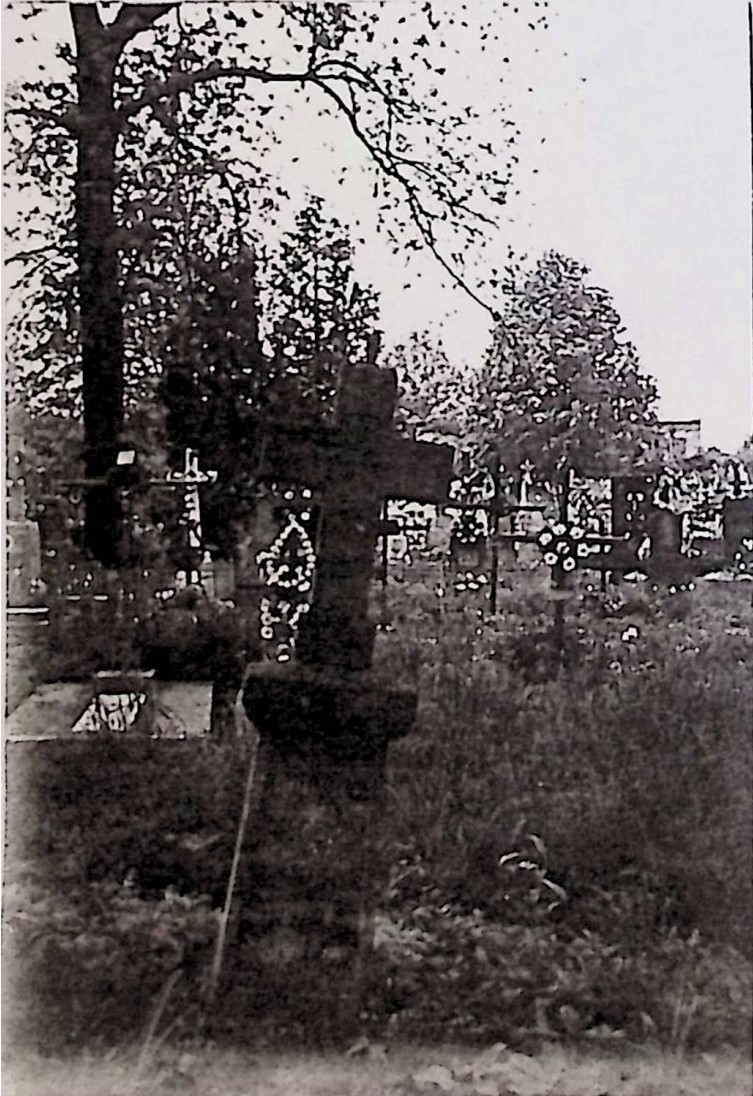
point(325, 720)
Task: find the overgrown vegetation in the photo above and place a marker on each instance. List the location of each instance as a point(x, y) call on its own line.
point(568, 840)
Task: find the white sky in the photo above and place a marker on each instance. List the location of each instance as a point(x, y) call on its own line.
point(644, 175)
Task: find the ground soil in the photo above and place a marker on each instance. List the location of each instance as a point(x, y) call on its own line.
point(377, 1071)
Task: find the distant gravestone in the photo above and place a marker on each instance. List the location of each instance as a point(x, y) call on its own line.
point(23, 548)
point(737, 522)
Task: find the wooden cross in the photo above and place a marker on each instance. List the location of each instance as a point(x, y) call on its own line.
point(352, 467)
point(497, 508)
point(559, 542)
point(564, 553)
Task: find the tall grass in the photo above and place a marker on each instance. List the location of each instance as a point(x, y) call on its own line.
point(627, 755)
point(636, 757)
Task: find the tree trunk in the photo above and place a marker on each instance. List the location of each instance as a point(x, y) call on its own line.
point(100, 298)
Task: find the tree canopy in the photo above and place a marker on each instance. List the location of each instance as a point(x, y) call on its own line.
point(561, 386)
point(316, 315)
point(149, 79)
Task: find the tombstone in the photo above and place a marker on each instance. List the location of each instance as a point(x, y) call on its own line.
point(469, 543)
point(23, 547)
point(326, 719)
point(27, 622)
point(737, 523)
point(224, 579)
point(527, 525)
point(440, 534)
point(631, 508)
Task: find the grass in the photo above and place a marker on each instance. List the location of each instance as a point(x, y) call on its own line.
point(557, 1072)
point(637, 755)
point(628, 759)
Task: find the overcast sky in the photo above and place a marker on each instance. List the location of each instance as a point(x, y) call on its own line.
point(638, 126)
point(644, 176)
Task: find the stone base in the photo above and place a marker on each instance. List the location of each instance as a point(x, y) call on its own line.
point(26, 652)
point(349, 717)
point(24, 569)
point(315, 868)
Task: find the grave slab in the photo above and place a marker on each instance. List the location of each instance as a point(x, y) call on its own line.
point(53, 709)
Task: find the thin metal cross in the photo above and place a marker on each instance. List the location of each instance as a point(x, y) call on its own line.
point(190, 479)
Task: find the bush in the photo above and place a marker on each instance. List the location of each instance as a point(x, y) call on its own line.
point(194, 637)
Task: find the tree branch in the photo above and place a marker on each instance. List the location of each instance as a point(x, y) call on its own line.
point(67, 121)
point(420, 216)
point(184, 81)
point(140, 17)
point(133, 18)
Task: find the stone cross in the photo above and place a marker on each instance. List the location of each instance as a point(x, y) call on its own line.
point(325, 719)
point(352, 467)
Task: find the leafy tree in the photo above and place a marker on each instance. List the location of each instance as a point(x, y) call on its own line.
point(745, 455)
point(435, 396)
point(213, 371)
point(561, 386)
point(213, 366)
point(318, 317)
point(150, 66)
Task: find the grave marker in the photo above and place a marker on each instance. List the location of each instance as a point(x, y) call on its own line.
point(325, 720)
point(190, 479)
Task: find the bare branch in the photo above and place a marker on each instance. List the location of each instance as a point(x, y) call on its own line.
point(421, 217)
point(133, 18)
point(24, 256)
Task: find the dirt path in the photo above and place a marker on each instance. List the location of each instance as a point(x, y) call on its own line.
point(406, 1071)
